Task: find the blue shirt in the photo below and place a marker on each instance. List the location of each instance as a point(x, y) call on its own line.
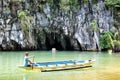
point(26, 61)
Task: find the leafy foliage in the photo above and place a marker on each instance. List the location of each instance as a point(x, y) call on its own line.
point(25, 21)
point(85, 1)
point(113, 3)
point(116, 44)
point(69, 4)
point(65, 5)
point(106, 41)
point(94, 26)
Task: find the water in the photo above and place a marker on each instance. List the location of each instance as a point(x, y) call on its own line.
point(106, 67)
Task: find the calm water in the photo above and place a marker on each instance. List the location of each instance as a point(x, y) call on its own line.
point(106, 67)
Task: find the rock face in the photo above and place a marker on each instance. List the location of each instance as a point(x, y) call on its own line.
point(42, 25)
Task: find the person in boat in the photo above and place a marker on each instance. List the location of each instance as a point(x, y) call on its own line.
point(27, 61)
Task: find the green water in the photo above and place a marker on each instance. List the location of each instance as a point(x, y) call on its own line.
point(106, 67)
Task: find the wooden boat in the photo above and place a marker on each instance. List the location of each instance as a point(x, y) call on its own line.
point(60, 65)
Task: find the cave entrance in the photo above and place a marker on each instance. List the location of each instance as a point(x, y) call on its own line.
point(53, 42)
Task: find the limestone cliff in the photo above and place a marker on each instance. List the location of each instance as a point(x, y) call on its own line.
point(43, 24)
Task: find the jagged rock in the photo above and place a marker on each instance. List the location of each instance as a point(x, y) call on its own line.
point(47, 26)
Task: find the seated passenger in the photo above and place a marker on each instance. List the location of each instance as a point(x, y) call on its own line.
point(27, 61)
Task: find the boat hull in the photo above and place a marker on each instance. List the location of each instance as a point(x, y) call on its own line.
point(59, 65)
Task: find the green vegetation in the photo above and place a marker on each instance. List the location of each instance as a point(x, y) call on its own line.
point(25, 14)
point(116, 40)
point(116, 44)
point(112, 3)
point(67, 5)
point(93, 26)
point(85, 1)
point(110, 40)
point(106, 41)
point(25, 20)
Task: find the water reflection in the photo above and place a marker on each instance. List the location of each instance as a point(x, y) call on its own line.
point(24, 77)
point(106, 67)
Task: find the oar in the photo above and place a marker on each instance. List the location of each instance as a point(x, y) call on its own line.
point(32, 62)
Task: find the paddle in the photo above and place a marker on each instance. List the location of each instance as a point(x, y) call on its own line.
point(32, 61)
